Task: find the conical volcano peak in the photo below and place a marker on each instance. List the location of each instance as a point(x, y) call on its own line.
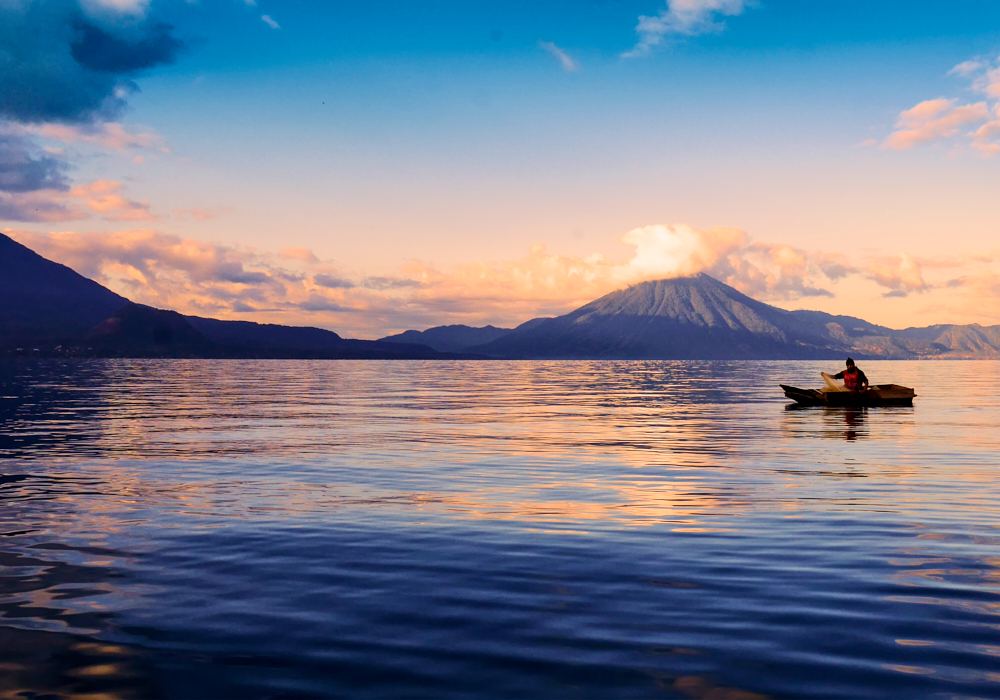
point(699, 300)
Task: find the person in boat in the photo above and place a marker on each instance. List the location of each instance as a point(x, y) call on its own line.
point(854, 378)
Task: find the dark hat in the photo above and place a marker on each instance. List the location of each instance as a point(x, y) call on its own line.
point(850, 362)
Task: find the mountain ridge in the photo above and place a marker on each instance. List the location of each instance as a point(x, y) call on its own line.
point(45, 303)
point(51, 308)
point(700, 317)
point(449, 338)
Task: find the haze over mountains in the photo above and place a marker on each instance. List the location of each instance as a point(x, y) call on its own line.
point(51, 308)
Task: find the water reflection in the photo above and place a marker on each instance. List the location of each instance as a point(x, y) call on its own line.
point(854, 419)
point(559, 529)
point(58, 601)
point(847, 422)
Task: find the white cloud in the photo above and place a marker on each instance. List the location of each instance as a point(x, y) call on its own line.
point(270, 22)
point(677, 251)
point(132, 8)
point(564, 59)
point(967, 68)
point(989, 83)
point(684, 18)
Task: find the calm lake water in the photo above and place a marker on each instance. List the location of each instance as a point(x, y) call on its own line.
point(489, 529)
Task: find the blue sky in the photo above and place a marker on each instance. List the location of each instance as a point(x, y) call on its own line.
point(462, 134)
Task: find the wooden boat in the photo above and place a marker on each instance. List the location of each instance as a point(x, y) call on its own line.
point(875, 395)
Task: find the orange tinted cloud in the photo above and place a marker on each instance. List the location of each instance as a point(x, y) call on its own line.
point(900, 275)
point(104, 197)
point(943, 118)
point(933, 120)
point(109, 135)
point(295, 287)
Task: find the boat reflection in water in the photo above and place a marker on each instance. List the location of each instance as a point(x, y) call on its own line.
point(847, 421)
point(854, 419)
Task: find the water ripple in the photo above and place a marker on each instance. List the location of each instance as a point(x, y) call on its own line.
point(562, 529)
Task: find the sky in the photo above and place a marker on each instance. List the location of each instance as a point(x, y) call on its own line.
point(372, 167)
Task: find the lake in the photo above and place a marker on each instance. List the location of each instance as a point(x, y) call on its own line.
point(298, 529)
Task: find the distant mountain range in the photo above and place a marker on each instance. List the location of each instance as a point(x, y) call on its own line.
point(48, 309)
point(701, 318)
point(450, 338)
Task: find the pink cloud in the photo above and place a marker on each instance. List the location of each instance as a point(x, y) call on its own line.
point(104, 197)
point(303, 254)
point(933, 120)
point(293, 286)
point(967, 68)
point(901, 275)
point(987, 137)
point(110, 135)
point(943, 118)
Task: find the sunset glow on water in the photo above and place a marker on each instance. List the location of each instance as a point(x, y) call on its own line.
point(519, 529)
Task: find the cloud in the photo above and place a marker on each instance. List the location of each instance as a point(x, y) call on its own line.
point(101, 197)
point(294, 286)
point(901, 275)
point(943, 118)
point(678, 251)
point(23, 168)
point(684, 18)
point(59, 63)
point(319, 303)
point(986, 138)
point(383, 283)
point(104, 197)
point(933, 120)
point(301, 254)
point(66, 70)
point(112, 136)
point(134, 8)
point(989, 83)
point(198, 277)
point(331, 282)
point(98, 50)
point(966, 68)
point(564, 59)
point(161, 269)
point(270, 22)
point(38, 207)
